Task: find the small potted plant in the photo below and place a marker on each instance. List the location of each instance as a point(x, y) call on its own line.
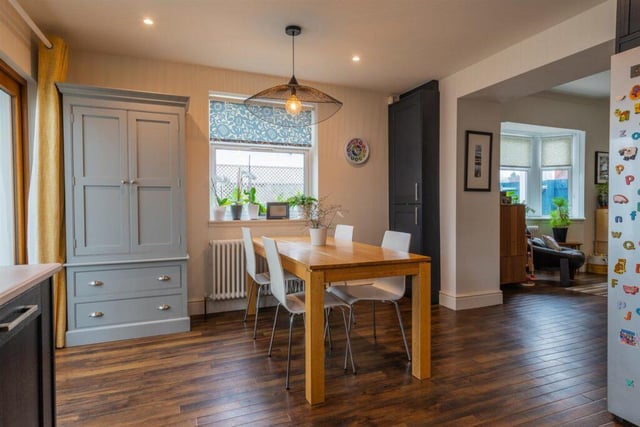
point(299, 203)
point(319, 218)
point(255, 207)
point(603, 194)
point(220, 208)
point(559, 219)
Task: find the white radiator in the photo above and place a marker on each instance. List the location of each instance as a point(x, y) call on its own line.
point(228, 271)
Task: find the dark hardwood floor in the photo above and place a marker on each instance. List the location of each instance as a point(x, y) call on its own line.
point(538, 359)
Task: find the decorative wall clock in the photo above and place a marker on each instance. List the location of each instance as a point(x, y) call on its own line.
point(356, 151)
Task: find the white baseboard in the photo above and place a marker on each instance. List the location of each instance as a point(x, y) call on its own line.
point(469, 301)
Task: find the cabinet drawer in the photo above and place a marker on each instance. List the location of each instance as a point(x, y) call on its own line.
point(94, 282)
point(105, 313)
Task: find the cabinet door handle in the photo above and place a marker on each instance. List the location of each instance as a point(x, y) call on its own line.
point(164, 278)
point(164, 307)
point(27, 310)
point(415, 215)
point(415, 190)
point(96, 314)
point(133, 181)
point(124, 181)
point(96, 283)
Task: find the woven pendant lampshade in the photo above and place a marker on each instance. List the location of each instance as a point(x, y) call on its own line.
point(303, 105)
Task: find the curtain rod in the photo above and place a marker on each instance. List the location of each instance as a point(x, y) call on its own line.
point(30, 23)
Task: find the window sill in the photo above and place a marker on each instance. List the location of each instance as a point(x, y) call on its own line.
point(229, 223)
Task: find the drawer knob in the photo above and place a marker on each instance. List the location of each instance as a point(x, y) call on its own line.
point(96, 314)
point(164, 278)
point(164, 307)
point(96, 283)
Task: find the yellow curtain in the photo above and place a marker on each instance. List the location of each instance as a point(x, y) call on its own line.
point(52, 68)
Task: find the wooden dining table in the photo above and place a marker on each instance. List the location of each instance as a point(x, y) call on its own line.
point(338, 261)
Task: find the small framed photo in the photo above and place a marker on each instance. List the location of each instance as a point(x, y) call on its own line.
point(277, 210)
point(602, 167)
point(477, 162)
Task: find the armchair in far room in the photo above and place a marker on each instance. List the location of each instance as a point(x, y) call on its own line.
point(548, 255)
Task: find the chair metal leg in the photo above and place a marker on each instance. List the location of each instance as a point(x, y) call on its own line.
point(348, 351)
point(255, 321)
point(286, 383)
point(374, 321)
point(246, 311)
point(273, 331)
point(404, 338)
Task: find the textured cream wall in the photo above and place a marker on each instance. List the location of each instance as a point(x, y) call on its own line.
point(362, 191)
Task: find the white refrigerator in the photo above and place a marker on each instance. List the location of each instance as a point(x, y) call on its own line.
point(624, 238)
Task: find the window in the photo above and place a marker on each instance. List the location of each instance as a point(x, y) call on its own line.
point(12, 194)
point(539, 163)
point(273, 159)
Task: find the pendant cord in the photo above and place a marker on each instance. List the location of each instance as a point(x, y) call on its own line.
point(293, 55)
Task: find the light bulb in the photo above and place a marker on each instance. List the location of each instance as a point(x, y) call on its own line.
point(293, 105)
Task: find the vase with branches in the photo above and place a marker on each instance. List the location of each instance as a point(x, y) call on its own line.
point(319, 217)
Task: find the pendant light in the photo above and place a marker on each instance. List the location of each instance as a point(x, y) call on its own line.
point(303, 105)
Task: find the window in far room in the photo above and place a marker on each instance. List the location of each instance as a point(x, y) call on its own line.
point(539, 163)
point(274, 159)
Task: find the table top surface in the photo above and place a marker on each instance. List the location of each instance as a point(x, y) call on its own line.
point(16, 279)
point(339, 253)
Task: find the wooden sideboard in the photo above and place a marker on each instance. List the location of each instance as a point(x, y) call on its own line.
point(513, 244)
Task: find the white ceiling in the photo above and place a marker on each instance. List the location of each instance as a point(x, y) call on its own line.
point(595, 86)
point(402, 43)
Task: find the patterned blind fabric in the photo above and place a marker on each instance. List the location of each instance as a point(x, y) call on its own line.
point(515, 151)
point(232, 122)
point(556, 151)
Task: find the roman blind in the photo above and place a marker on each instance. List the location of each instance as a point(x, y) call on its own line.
point(556, 151)
point(516, 151)
point(231, 121)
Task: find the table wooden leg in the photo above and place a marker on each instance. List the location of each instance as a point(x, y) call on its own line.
point(421, 322)
point(314, 341)
point(251, 297)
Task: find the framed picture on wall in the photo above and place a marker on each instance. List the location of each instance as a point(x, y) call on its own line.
point(602, 167)
point(477, 161)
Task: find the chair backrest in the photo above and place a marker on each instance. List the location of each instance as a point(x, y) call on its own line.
point(396, 240)
point(343, 232)
point(276, 273)
point(249, 252)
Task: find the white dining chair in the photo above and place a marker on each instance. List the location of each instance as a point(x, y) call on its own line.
point(343, 232)
point(386, 289)
point(261, 280)
point(294, 303)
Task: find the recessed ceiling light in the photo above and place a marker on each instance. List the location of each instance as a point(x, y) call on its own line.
point(147, 21)
point(355, 58)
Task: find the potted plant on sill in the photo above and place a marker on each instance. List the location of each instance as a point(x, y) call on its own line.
point(300, 203)
point(559, 219)
point(255, 207)
point(218, 211)
point(319, 218)
point(237, 201)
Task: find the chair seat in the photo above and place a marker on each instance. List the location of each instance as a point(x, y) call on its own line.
point(264, 279)
point(353, 293)
point(296, 302)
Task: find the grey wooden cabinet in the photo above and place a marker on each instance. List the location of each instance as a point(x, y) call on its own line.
point(126, 246)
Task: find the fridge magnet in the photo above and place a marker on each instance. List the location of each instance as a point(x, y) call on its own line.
point(635, 136)
point(621, 97)
point(622, 305)
point(619, 169)
point(629, 179)
point(629, 383)
point(628, 245)
point(622, 133)
point(622, 116)
point(636, 108)
point(630, 289)
point(628, 337)
point(618, 219)
point(637, 311)
point(635, 92)
point(356, 151)
point(633, 215)
point(616, 234)
point(627, 316)
point(620, 199)
point(628, 153)
point(621, 266)
point(614, 283)
point(477, 161)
